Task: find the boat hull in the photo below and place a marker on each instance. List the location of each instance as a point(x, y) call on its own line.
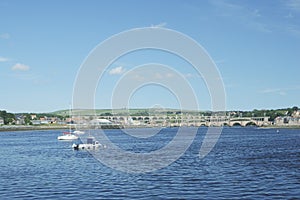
point(67, 137)
point(78, 132)
point(86, 146)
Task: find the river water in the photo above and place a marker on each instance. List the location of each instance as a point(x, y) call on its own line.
point(246, 163)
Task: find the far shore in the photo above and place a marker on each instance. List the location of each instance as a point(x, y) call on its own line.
point(30, 127)
point(61, 127)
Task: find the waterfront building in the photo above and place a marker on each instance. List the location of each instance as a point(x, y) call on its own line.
point(287, 121)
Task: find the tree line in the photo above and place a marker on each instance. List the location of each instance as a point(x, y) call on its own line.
point(10, 118)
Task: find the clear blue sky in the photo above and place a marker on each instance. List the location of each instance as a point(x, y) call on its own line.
point(255, 45)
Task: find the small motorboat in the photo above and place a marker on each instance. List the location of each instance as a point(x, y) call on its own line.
point(89, 145)
point(67, 136)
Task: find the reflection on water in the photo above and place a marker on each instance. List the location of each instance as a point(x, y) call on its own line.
point(245, 163)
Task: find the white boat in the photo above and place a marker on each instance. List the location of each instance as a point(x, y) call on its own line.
point(89, 145)
point(67, 136)
point(78, 132)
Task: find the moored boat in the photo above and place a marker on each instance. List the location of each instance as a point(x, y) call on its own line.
point(78, 132)
point(67, 136)
point(89, 145)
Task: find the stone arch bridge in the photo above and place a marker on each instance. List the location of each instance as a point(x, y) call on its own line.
point(188, 120)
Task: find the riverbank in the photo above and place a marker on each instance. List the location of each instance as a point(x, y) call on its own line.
point(59, 127)
point(49, 127)
point(29, 128)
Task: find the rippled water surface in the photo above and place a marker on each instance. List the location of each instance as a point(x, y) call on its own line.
point(247, 163)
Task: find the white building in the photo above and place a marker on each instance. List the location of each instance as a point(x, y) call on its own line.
point(100, 122)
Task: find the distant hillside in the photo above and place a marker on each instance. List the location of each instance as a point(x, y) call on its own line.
point(105, 112)
point(272, 113)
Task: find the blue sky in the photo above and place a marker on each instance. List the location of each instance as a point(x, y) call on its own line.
point(255, 45)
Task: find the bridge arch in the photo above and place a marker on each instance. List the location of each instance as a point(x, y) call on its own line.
point(225, 124)
point(236, 124)
point(203, 124)
point(251, 123)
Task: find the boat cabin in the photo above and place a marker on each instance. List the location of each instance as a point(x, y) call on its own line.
point(90, 140)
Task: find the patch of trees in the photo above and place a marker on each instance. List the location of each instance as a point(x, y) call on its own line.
point(273, 113)
point(41, 115)
point(106, 114)
point(7, 117)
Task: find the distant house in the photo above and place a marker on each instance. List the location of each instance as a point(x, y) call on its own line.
point(287, 121)
point(296, 114)
point(36, 122)
point(1, 121)
point(20, 121)
point(33, 117)
point(44, 121)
